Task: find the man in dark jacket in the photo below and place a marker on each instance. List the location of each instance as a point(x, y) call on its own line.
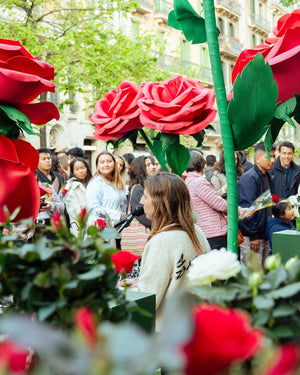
point(285, 174)
point(251, 185)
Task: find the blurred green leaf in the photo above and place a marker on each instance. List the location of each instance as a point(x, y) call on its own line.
point(178, 157)
point(94, 273)
point(263, 303)
point(286, 291)
point(249, 118)
point(284, 310)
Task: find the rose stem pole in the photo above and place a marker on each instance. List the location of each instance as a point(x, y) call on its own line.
point(149, 144)
point(216, 66)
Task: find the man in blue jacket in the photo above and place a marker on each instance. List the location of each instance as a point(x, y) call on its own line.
point(251, 185)
point(285, 174)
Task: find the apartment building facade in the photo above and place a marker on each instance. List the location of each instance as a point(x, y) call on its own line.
point(242, 24)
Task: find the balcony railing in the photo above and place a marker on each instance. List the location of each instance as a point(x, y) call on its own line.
point(229, 44)
point(232, 5)
point(260, 22)
point(178, 65)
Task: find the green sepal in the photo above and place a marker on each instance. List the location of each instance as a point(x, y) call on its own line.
point(296, 113)
point(283, 114)
point(249, 118)
point(12, 120)
point(184, 17)
point(200, 135)
point(284, 110)
point(132, 136)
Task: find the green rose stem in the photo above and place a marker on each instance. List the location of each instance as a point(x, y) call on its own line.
point(218, 79)
point(149, 144)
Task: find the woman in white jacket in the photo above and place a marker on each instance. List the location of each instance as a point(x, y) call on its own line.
point(75, 191)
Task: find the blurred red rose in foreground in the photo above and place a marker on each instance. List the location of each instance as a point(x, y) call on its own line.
point(18, 185)
point(178, 105)
point(13, 358)
point(56, 220)
point(118, 113)
point(284, 361)
point(221, 337)
point(101, 224)
point(86, 323)
point(22, 79)
point(283, 55)
point(123, 261)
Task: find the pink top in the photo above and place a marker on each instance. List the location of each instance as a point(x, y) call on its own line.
point(210, 207)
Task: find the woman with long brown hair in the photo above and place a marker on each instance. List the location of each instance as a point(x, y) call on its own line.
point(105, 194)
point(174, 241)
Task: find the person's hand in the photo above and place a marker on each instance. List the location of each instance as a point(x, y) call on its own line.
point(122, 215)
point(254, 245)
point(47, 207)
point(130, 283)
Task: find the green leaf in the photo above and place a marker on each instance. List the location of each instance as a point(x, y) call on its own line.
point(185, 18)
point(178, 157)
point(261, 317)
point(42, 280)
point(159, 153)
point(17, 118)
point(277, 276)
point(92, 230)
point(45, 312)
point(287, 291)
point(263, 303)
point(283, 310)
point(272, 133)
point(199, 137)
point(296, 112)
point(283, 331)
point(284, 110)
point(132, 136)
point(94, 273)
point(253, 104)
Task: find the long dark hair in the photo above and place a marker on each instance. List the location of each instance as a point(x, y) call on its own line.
point(138, 173)
point(172, 206)
point(89, 173)
point(220, 166)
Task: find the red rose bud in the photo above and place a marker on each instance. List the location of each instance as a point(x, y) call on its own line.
point(86, 323)
point(56, 220)
point(64, 192)
point(275, 198)
point(221, 337)
point(13, 357)
point(123, 261)
point(101, 223)
point(83, 213)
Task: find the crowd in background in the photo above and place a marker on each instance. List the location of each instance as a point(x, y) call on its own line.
point(182, 217)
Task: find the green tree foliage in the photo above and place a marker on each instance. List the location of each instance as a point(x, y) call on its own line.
point(287, 3)
point(81, 40)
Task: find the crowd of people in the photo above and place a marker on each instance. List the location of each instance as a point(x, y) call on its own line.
point(183, 217)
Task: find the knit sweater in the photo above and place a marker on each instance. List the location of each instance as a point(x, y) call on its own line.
point(208, 205)
point(166, 258)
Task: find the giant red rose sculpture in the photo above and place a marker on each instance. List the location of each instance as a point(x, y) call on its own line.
point(178, 105)
point(18, 185)
point(221, 337)
point(22, 79)
point(118, 113)
point(283, 55)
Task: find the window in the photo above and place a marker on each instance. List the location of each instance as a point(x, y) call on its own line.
point(135, 29)
point(231, 30)
point(221, 25)
point(253, 40)
point(204, 56)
